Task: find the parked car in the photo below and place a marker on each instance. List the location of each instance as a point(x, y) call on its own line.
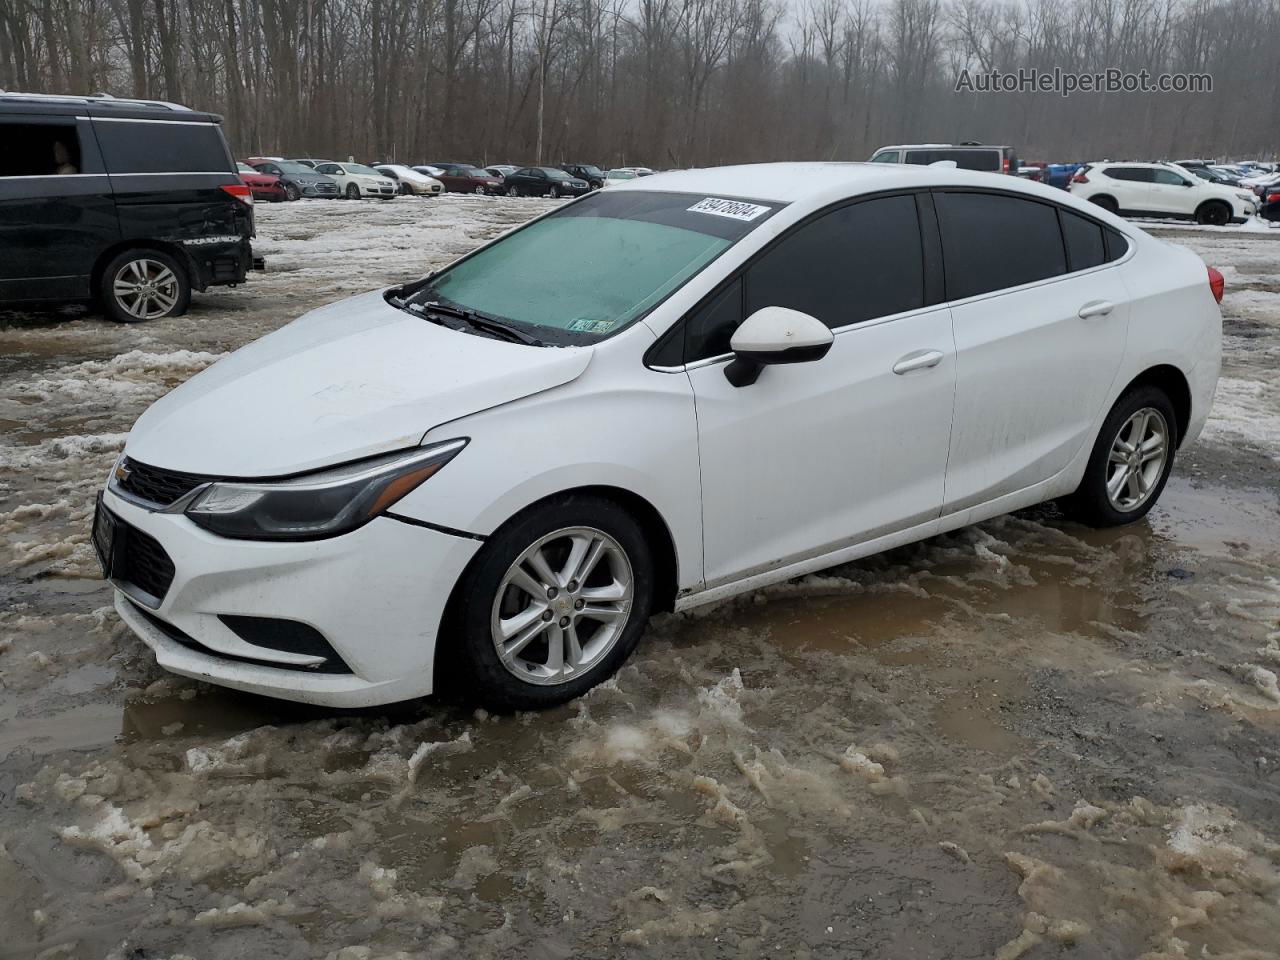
point(311, 162)
point(1032, 171)
point(129, 203)
point(966, 156)
point(410, 181)
point(501, 170)
point(299, 180)
point(263, 186)
point(589, 172)
point(1161, 190)
point(545, 182)
point(1206, 172)
point(1059, 174)
point(356, 181)
point(618, 175)
point(465, 178)
point(416, 521)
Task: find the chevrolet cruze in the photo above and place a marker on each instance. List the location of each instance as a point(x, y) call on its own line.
point(492, 476)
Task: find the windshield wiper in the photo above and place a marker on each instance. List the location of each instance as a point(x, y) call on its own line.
point(480, 321)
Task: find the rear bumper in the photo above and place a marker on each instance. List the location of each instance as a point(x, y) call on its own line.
point(217, 264)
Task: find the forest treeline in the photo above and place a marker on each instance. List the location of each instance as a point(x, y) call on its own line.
point(662, 82)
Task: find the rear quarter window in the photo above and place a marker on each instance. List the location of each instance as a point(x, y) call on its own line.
point(143, 146)
point(993, 241)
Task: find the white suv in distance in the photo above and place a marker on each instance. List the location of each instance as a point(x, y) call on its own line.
point(355, 180)
point(490, 477)
point(1161, 190)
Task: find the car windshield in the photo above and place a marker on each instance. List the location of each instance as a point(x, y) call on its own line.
point(475, 172)
point(593, 267)
point(362, 170)
point(555, 174)
point(292, 166)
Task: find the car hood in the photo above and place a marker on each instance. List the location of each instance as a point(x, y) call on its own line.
point(349, 380)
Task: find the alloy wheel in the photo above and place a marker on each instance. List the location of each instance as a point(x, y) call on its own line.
point(562, 605)
point(145, 289)
point(1137, 459)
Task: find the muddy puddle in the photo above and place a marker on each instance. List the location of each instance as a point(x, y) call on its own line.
point(1025, 739)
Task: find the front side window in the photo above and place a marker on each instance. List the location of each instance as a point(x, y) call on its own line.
point(142, 146)
point(594, 267)
point(994, 241)
point(39, 150)
point(856, 263)
point(1168, 178)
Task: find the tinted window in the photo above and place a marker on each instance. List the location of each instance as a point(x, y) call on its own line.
point(161, 147)
point(855, 263)
point(39, 150)
point(987, 160)
point(1117, 245)
point(1132, 174)
point(1085, 247)
point(709, 329)
point(993, 241)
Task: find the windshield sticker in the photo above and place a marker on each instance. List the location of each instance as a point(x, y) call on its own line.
point(584, 325)
point(733, 209)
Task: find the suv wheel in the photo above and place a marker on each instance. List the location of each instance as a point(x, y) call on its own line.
point(1213, 213)
point(1130, 462)
point(553, 604)
point(291, 191)
point(142, 285)
point(353, 192)
point(1106, 203)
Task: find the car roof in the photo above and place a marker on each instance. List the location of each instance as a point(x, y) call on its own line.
point(101, 105)
point(791, 182)
point(946, 146)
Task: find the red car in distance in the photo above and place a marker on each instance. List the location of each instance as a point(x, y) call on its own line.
point(263, 186)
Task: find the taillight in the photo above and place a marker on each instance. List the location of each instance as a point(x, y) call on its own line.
point(1004, 162)
point(240, 191)
point(1079, 178)
point(1217, 284)
point(1272, 197)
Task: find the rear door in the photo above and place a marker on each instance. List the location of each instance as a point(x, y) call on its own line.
point(1040, 323)
point(1131, 186)
point(57, 213)
point(815, 457)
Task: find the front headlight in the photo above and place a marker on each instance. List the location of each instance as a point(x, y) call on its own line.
point(323, 504)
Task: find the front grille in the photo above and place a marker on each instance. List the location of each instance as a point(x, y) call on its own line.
point(142, 562)
point(154, 484)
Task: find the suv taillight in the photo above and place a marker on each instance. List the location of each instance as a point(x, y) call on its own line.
point(1272, 197)
point(1079, 178)
point(240, 191)
point(1217, 284)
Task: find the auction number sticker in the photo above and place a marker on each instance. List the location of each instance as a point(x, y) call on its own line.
point(733, 209)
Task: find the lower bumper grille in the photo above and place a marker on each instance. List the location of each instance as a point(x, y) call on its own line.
point(142, 562)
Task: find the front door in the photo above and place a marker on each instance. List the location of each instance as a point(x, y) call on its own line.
point(814, 457)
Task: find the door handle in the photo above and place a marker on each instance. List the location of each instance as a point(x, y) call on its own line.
point(920, 360)
point(1095, 308)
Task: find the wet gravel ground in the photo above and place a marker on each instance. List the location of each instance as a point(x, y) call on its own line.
point(1025, 739)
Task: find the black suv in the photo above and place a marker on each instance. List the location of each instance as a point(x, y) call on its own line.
point(127, 203)
point(585, 171)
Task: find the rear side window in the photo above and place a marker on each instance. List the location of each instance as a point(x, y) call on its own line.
point(1085, 245)
point(39, 149)
point(141, 146)
point(994, 241)
point(1132, 174)
point(1117, 245)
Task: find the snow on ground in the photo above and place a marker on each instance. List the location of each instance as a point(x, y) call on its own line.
point(1017, 740)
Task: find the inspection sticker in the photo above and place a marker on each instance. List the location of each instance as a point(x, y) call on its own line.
point(733, 209)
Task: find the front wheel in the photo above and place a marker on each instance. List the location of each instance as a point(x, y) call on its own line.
point(291, 191)
point(1131, 460)
point(553, 604)
point(353, 192)
point(142, 285)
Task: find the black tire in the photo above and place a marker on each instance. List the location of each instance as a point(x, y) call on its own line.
point(291, 192)
point(1090, 503)
point(1106, 203)
point(472, 657)
point(554, 192)
point(1213, 213)
point(116, 306)
point(352, 192)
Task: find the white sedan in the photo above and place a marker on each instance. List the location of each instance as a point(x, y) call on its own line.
point(355, 180)
point(411, 181)
point(489, 478)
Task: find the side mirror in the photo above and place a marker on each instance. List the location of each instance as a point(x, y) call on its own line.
point(775, 335)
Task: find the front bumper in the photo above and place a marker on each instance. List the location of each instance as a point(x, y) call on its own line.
point(377, 596)
point(374, 190)
point(327, 191)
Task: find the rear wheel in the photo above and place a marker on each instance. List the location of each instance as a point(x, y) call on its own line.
point(1131, 460)
point(553, 604)
point(1106, 203)
point(142, 285)
point(1214, 213)
point(353, 192)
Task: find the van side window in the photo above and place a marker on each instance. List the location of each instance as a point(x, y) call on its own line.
point(135, 146)
point(39, 150)
point(994, 241)
point(1085, 246)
